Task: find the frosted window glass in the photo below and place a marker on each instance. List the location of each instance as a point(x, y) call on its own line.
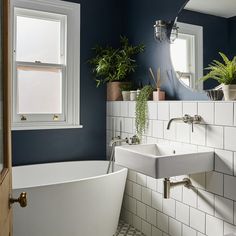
point(179, 55)
point(39, 90)
point(38, 40)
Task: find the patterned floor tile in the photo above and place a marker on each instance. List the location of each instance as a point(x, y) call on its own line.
point(125, 229)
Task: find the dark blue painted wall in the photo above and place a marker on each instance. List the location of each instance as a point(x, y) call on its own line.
point(215, 37)
point(232, 36)
point(101, 22)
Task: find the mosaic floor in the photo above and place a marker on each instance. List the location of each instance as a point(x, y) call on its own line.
point(125, 229)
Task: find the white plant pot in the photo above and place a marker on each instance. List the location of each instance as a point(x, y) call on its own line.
point(126, 95)
point(133, 95)
point(229, 92)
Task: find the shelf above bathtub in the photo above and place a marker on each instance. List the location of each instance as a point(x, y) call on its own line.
point(160, 161)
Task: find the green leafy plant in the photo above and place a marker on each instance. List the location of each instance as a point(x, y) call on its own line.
point(224, 72)
point(141, 110)
point(114, 64)
point(126, 87)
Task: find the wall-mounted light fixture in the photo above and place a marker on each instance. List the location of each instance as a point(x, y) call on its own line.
point(165, 31)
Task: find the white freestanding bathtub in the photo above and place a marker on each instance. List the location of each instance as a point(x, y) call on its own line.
point(68, 199)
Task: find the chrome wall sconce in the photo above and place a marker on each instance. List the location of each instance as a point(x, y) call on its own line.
point(165, 31)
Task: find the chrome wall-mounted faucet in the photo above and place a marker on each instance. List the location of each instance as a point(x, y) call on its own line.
point(196, 119)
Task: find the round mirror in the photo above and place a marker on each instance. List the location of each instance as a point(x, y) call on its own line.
point(206, 27)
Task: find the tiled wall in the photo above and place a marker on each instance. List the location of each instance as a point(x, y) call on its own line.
point(210, 208)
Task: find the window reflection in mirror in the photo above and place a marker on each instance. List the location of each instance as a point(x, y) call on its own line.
point(217, 20)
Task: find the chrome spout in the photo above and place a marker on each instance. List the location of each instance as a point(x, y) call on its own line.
point(173, 119)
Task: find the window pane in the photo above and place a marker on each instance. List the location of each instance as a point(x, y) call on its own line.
point(179, 55)
point(38, 40)
point(39, 90)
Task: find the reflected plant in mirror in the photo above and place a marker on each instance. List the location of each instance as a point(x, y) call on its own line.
point(205, 29)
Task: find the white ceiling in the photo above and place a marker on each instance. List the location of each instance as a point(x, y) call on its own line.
point(223, 8)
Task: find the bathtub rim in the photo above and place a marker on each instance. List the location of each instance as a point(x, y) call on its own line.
point(122, 169)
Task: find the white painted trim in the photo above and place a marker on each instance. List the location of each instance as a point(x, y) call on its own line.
point(197, 31)
point(72, 89)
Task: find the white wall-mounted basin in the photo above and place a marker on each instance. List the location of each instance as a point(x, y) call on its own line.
point(160, 161)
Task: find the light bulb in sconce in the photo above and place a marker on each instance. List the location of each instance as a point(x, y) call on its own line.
point(165, 31)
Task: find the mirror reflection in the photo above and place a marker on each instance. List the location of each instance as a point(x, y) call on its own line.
point(206, 27)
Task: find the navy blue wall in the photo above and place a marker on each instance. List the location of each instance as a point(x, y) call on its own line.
point(101, 22)
point(215, 37)
point(232, 36)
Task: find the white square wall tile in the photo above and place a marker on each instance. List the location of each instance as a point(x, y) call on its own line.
point(183, 132)
point(156, 231)
point(163, 111)
point(141, 179)
point(215, 136)
point(230, 187)
point(141, 210)
point(124, 109)
point(224, 113)
point(157, 201)
point(174, 227)
point(190, 108)
point(116, 108)
point(148, 130)
point(151, 183)
point(190, 197)
point(198, 136)
point(214, 182)
point(229, 229)
point(162, 222)
point(224, 161)
point(230, 137)
point(182, 213)
point(169, 207)
point(152, 110)
point(137, 191)
point(146, 228)
point(224, 209)
point(206, 111)
point(176, 109)
point(147, 196)
point(197, 219)
point(187, 231)
point(214, 226)
point(198, 180)
point(128, 125)
point(151, 216)
point(157, 129)
point(131, 109)
point(137, 222)
point(206, 201)
point(169, 134)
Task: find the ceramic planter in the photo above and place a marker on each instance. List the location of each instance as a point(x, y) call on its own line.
point(158, 95)
point(113, 91)
point(133, 95)
point(229, 92)
point(126, 95)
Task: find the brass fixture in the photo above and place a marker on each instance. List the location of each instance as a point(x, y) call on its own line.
point(23, 118)
point(168, 184)
point(55, 117)
point(196, 119)
point(22, 199)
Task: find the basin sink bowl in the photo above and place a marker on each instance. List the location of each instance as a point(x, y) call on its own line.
point(161, 161)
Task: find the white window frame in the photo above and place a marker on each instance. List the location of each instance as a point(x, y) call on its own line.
point(70, 117)
point(196, 51)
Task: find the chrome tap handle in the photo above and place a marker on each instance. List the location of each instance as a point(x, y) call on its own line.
point(197, 119)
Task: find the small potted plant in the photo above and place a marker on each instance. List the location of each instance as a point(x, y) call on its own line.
point(111, 66)
point(125, 90)
point(225, 73)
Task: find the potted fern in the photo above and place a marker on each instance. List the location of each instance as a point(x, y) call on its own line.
point(225, 73)
point(112, 66)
